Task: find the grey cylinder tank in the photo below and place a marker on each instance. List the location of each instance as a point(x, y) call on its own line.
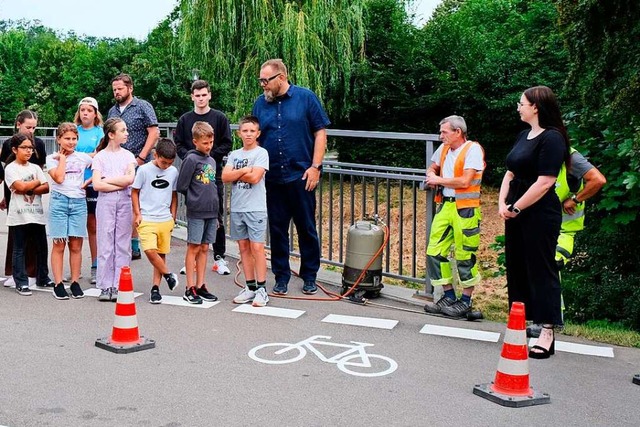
point(363, 241)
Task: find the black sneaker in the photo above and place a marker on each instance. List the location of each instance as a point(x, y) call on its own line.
point(23, 289)
point(76, 291)
point(191, 296)
point(47, 284)
point(59, 292)
point(172, 280)
point(136, 255)
point(533, 331)
point(309, 287)
point(155, 297)
point(204, 293)
point(280, 288)
point(457, 309)
point(436, 307)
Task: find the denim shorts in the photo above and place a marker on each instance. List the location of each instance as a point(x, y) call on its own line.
point(248, 226)
point(200, 231)
point(67, 216)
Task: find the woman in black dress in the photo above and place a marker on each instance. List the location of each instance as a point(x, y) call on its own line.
point(533, 213)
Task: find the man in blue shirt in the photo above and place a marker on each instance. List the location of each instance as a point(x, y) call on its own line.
point(293, 125)
point(142, 125)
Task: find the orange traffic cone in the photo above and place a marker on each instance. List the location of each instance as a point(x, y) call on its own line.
point(125, 337)
point(511, 384)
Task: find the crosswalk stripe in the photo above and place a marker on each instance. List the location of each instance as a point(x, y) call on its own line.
point(469, 334)
point(173, 300)
point(95, 292)
point(269, 311)
point(370, 322)
point(588, 350)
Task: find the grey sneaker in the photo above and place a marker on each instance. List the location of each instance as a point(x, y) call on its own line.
point(457, 309)
point(172, 281)
point(105, 295)
point(437, 307)
point(93, 275)
point(245, 295)
point(261, 298)
point(114, 294)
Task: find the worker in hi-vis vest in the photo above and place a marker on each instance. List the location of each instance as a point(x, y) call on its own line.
point(573, 187)
point(456, 174)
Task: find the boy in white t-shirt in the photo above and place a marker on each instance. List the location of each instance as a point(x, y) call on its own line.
point(155, 203)
point(246, 169)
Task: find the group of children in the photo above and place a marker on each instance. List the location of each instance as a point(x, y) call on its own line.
point(145, 198)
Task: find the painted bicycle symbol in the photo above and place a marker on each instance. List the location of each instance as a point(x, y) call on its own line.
point(354, 360)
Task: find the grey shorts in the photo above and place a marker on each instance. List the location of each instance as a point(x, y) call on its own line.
point(248, 226)
point(201, 231)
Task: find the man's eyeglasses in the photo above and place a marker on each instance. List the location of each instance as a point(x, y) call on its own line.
point(26, 147)
point(266, 81)
point(522, 104)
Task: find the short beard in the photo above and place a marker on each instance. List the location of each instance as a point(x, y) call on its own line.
point(269, 96)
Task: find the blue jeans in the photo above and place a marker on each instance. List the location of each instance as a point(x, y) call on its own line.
point(284, 203)
point(38, 234)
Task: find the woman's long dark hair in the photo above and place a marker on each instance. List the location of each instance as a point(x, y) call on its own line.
point(549, 116)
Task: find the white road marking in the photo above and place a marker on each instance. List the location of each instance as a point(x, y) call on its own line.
point(589, 350)
point(173, 300)
point(269, 311)
point(469, 334)
point(95, 292)
point(370, 322)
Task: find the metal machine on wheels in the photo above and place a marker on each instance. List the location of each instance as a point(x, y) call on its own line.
point(362, 275)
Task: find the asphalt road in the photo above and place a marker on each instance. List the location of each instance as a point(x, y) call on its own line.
point(200, 372)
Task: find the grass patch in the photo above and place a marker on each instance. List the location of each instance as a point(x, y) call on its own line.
point(605, 332)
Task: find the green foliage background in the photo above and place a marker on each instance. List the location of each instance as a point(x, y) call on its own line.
point(375, 70)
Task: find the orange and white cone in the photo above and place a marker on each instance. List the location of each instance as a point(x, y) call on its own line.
point(511, 385)
point(125, 336)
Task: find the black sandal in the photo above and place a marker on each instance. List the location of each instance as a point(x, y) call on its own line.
point(543, 353)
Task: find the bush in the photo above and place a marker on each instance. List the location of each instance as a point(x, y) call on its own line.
point(604, 285)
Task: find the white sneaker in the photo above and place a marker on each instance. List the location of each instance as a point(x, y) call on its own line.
point(183, 270)
point(245, 295)
point(220, 266)
point(261, 299)
point(9, 283)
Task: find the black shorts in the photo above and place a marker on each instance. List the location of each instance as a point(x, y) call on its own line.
point(92, 200)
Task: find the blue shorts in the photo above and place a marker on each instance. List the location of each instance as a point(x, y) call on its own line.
point(200, 231)
point(248, 226)
point(67, 216)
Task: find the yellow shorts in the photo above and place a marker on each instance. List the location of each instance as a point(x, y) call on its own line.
point(156, 236)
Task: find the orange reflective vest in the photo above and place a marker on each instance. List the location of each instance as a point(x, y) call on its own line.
point(465, 197)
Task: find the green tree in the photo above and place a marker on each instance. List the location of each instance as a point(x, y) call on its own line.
point(319, 40)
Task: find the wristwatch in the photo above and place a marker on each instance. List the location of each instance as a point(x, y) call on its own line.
point(575, 199)
point(317, 166)
point(514, 208)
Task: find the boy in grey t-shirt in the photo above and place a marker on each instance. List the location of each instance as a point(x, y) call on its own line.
point(246, 168)
point(155, 203)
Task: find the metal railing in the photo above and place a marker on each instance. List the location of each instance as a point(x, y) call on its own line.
point(349, 192)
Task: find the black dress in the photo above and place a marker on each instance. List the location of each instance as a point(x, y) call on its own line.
point(532, 236)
